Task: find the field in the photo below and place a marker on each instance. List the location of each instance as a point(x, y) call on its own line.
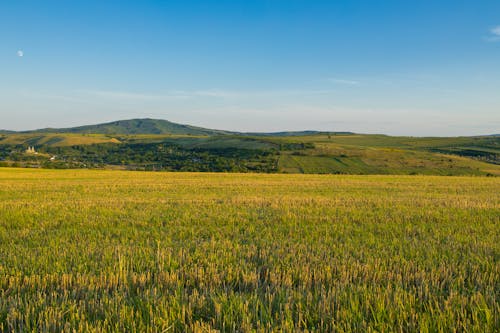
point(381, 154)
point(178, 148)
point(96, 250)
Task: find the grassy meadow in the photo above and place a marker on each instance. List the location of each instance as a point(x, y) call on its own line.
point(318, 153)
point(115, 251)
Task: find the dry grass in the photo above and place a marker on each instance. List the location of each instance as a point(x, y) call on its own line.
point(151, 252)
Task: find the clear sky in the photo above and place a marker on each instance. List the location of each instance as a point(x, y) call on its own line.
point(404, 67)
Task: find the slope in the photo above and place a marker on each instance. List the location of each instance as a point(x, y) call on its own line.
point(135, 126)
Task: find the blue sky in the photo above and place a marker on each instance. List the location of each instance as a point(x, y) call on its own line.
point(396, 67)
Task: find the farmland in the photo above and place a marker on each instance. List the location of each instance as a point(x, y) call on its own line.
point(97, 250)
point(310, 154)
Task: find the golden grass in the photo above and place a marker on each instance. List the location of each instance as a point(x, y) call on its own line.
point(102, 251)
point(57, 140)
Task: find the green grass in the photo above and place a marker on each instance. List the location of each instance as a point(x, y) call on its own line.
point(289, 163)
point(336, 159)
point(104, 251)
point(321, 153)
point(135, 126)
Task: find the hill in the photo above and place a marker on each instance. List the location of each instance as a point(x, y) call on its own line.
point(149, 144)
point(134, 126)
point(154, 126)
point(381, 154)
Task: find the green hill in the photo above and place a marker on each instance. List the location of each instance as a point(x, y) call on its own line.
point(135, 126)
point(381, 154)
point(155, 127)
point(148, 144)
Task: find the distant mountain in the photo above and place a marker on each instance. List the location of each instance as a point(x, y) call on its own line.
point(135, 126)
point(156, 126)
point(160, 126)
point(293, 133)
point(148, 144)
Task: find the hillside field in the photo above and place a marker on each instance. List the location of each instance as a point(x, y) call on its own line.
point(103, 251)
point(318, 153)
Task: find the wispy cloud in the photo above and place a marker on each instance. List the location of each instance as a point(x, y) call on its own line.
point(344, 81)
point(208, 93)
point(133, 95)
point(494, 34)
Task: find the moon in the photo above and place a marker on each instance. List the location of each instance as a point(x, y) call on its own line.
point(20, 53)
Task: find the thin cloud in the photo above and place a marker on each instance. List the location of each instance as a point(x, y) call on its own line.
point(216, 93)
point(209, 93)
point(233, 94)
point(343, 81)
point(134, 95)
point(494, 34)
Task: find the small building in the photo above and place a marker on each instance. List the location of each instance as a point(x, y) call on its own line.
point(31, 150)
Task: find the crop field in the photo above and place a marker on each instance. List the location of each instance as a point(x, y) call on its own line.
point(117, 251)
point(319, 153)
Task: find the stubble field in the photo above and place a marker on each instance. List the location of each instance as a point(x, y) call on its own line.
point(92, 250)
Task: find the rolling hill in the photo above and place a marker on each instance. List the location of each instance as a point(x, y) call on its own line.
point(149, 144)
point(134, 126)
point(153, 126)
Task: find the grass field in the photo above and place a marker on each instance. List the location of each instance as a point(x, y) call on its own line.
point(94, 250)
point(309, 154)
point(56, 140)
point(381, 154)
